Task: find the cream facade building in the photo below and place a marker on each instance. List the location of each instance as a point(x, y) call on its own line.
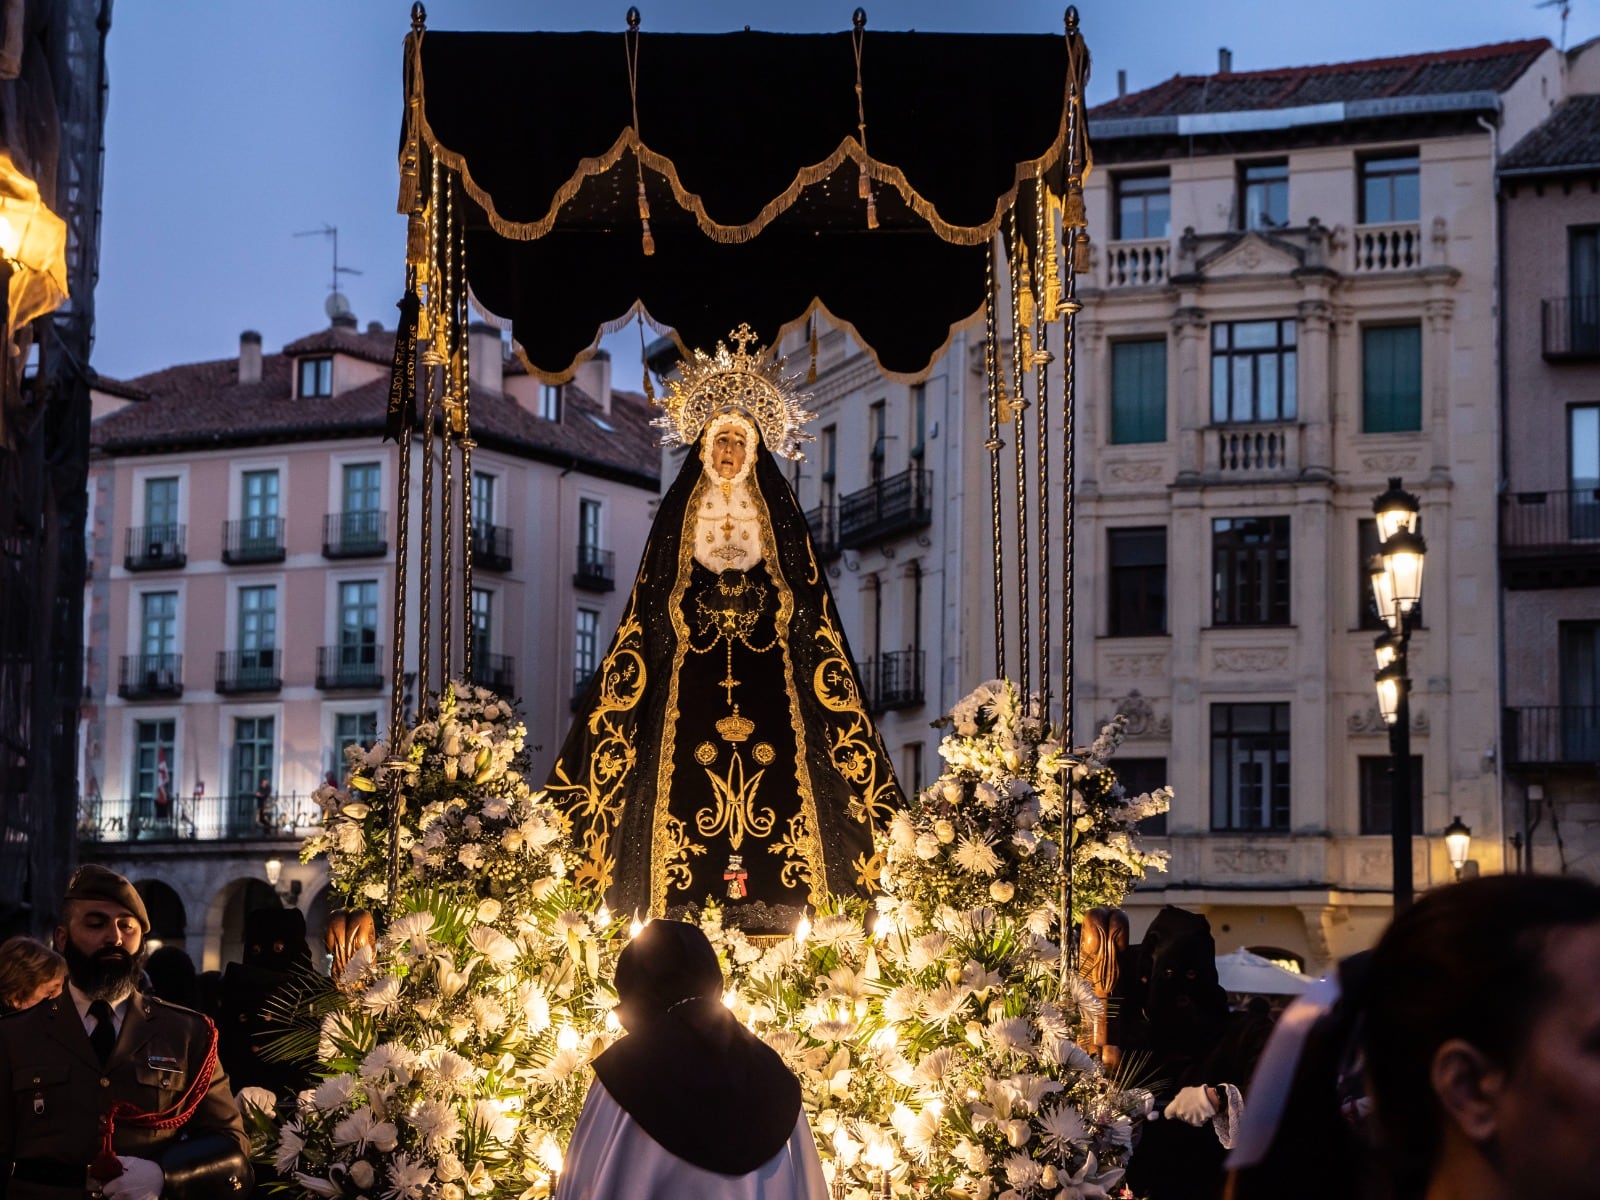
point(243, 543)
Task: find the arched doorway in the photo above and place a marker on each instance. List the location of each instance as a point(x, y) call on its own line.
point(317, 911)
point(239, 898)
point(169, 922)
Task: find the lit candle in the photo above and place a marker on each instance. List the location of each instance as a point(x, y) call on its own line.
point(802, 931)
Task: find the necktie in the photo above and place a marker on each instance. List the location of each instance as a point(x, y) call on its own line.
point(104, 1037)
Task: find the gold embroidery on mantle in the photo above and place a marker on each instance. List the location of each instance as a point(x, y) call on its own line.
point(735, 812)
point(796, 871)
point(676, 849)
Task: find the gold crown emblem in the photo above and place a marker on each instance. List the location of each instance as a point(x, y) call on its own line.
point(735, 728)
point(738, 380)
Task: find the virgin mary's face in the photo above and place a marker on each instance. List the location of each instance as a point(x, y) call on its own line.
point(727, 452)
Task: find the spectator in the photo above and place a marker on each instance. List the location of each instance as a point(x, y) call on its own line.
point(264, 817)
point(172, 977)
point(251, 997)
point(29, 972)
point(689, 1102)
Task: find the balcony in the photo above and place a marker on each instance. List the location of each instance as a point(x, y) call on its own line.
point(1553, 735)
point(241, 671)
point(491, 547)
point(823, 521)
point(1570, 328)
point(894, 680)
point(897, 505)
point(580, 685)
point(1240, 453)
point(195, 818)
point(252, 540)
point(1550, 539)
point(597, 569)
point(358, 534)
point(357, 666)
point(1141, 263)
point(150, 677)
point(155, 548)
point(1381, 249)
point(497, 672)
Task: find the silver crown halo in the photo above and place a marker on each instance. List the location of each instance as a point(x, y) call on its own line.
point(738, 380)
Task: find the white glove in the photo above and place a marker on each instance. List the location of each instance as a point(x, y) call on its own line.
point(141, 1179)
point(1192, 1106)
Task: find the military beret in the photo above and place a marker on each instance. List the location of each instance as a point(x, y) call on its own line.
point(94, 882)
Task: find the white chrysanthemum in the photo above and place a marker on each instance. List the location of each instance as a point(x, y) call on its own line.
point(448, 1071)
point(560, 1068)
point(836, 930)
point(1063, 1128)
point(407, 1178)
point(844, 984)
point(976, 856)
point(470, 856)
point(333, 1093)
point(494, 808)
point(971, 1155)
point(786, 1043)
point(436, 1123)
point(944, 1003)
point(1022, 1172)
point(388, 1058)
point(359, 965)
point(413, 928)
point(935, 1065)
point(571, 922)
point(1011, 1035)
point(382, 997)
point(362, 1128)
point(535, 1006)
point(496, 947)
point(487, 1013)
point(902, 1003)
point(902, 833)
point(291, 1141)
point(833, 1031)
point(260, 1099)
point(492, 1120)
point(1031, 1089)
point(917, 1130)
point(926, 950)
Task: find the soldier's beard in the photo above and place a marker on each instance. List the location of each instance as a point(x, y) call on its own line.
point(107, 975)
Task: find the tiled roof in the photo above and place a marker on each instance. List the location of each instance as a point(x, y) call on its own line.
point(376, 345)
point(203, 405)
point(1478, 68)
point(1569, 139)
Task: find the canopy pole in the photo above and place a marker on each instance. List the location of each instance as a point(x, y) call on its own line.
point(1020, 319)
point(992, 369)
point(1050, 279)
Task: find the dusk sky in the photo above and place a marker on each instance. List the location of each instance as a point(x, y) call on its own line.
point(234, 126)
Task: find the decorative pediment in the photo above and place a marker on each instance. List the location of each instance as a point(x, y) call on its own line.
point(1251, 253)
point(1142, 718)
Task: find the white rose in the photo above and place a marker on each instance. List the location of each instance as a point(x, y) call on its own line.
point(447, 1168)
point(489, 911)
point(361, 1173)
point(451, 1191)
point(944, 831)
point(927, 846)
point(1002, 890)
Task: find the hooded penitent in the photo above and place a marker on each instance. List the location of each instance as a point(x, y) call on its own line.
point(704, 1087)
point(723, 750)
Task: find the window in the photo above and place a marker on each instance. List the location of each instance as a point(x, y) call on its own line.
point(316, 377)
point(358, 623)
point(919, 420)
point(1580, 691)
point(1141, 775)
point(914, 579)
point(158, 630)
point(828, 458)
point(877, 438)
point(1389, 190)
point(1138, 392)
point(1144, 206)
point(258, 629)
point(362, 487)
point(1377, 794)
point(1138, 571)
point(252, 756)
point(588, 524)
point(483, 498)
point(1583, 469)
point(1250, 766)
point(482, 619)
point(161, 507)
point(1250, 571)
point(1583, 286)
point(911, 768)
point(1253, 371)
point(1264, 194)
point(586, 649)
point(351, 729)
point(260, 509)
point(153, 755)
point(1391, 378)
point(550, 401)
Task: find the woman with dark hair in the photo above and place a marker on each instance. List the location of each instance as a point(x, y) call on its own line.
point(1477, 1020)
point(689, 1103)
point(29, 972)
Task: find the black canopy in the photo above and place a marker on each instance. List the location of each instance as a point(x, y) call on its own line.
point(752, 159)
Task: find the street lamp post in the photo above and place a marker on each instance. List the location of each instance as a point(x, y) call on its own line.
point(1396, 575)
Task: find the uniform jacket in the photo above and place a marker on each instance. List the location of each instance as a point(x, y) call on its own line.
point(58, 1088)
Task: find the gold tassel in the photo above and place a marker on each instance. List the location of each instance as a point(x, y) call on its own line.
point(416, 241)
point(1051, 265)
point(1080, 252)
point(1025, 306)
point(864, 190)
point(644, 217)
point(644, 360)
point(649, 391)
point(1072, 213)
point(811, 374)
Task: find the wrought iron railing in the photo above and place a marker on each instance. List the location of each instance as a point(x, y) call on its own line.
point(356, 534)
point(597, 569)
point(249, 671)
point(253, 540)
point(823, 521)
point(491, 547)
point(899, 504)
point(1552, 735)
point(150, 676)
point(896, 679)
point(1570, 327)
point(497, 672)
point(1545, 522)
point(350, 666)
point(155, 547)
point(196, 818)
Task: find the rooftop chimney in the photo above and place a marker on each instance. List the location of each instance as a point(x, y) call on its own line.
point(486, 356)
point(249, 357)
point(1122, 89)
point(374, 327)
point(593, 376)
point(1224, 60)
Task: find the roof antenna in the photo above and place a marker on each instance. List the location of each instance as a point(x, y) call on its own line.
point(337, 305)
point(1566, 10)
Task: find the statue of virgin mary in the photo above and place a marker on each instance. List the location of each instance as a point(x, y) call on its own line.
point(723, 751)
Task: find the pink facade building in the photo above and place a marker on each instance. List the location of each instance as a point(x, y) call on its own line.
point(239, 618)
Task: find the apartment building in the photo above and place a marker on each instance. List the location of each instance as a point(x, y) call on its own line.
point(1550, 507)
point(239, 630)
point(1292, 301)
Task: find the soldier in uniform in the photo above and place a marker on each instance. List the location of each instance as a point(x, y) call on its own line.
point(113, 1092)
